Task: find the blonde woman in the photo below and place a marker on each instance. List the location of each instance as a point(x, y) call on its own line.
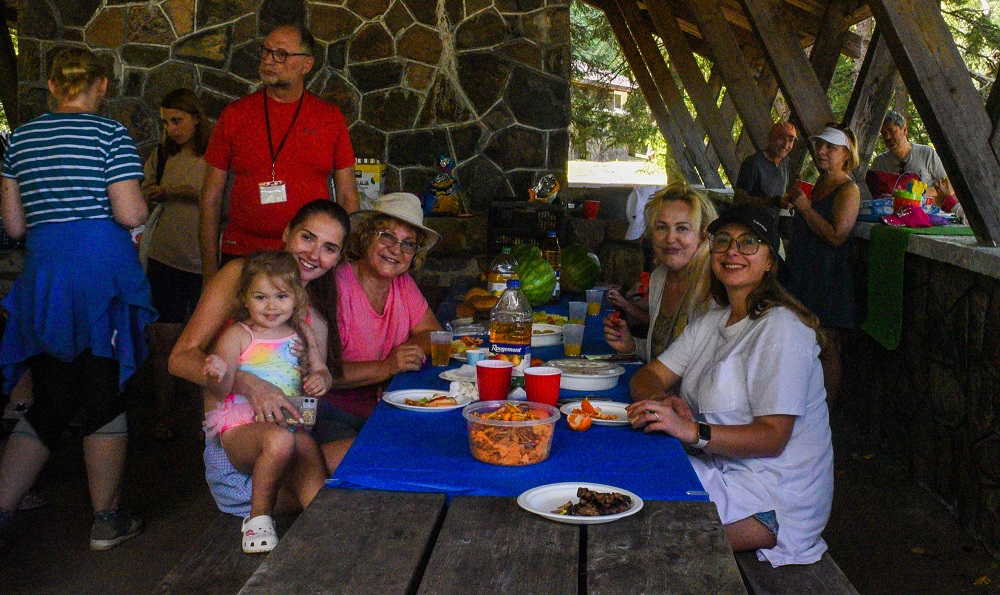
point(677, 219)
point(819, 273)
point(79, 308)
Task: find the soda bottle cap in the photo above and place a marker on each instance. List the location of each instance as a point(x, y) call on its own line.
point(552, 234)
point(513, 284)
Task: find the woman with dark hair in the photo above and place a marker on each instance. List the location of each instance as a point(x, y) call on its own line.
point(751, 399)
point(78, 310)
point(315, 237)
point(174, 173)
point(819, 272)
point(384, 320)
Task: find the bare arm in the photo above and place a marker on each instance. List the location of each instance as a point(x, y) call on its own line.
point(318, 378)
point(420, 335)
point(220, 367)
point(209, 216)
point(347, 189)
point(128, 205)
point(845, 214)
point(11, 208)
point(652, 381)
point(742, 197)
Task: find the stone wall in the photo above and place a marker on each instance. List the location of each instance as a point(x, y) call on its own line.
point(934, 402)
point(483, 81)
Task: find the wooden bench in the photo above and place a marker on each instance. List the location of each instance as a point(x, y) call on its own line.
point(820, 578)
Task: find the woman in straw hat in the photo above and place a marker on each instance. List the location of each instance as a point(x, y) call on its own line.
point(384, 320)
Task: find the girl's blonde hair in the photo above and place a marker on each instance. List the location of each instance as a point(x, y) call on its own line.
point(282, 271)
point(73, 71)
point(698, 272)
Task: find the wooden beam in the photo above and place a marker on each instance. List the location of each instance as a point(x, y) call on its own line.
point(693, 143)
point(830, 40)
point(870, 99)
point(949, 105)
point(796, 77)
point(8, 70)
point(668, 128)
point(993, 104)
point(750, 103)
point(683, 62)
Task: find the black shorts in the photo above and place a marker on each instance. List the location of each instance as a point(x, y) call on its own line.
point(175, 292)
point(62, 389)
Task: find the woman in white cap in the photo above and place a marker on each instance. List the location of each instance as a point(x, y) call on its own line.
point(751, 401)
point(384, 319)
point(819, 273)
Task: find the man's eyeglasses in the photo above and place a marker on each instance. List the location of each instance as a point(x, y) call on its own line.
point(279, 56)
point(389, 241)
point(747, 244)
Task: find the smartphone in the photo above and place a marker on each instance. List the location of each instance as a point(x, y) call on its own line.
point(307, 405)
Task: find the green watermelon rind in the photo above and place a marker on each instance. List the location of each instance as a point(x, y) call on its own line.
point(525, 252)
point(538, 280)
point(579, 269)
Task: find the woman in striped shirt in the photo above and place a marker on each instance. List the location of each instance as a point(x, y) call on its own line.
point(78, 311)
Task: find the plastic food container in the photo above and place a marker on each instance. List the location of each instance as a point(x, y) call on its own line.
point(511, 443)
point(543, 335)
point(587, 375)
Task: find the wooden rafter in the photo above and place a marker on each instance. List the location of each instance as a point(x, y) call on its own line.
point(683, 61)
point(643, 34)
point(668, 128)
point(949, 105)
point(870, 100)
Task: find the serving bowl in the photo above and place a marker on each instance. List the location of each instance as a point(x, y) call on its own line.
point(524, 438)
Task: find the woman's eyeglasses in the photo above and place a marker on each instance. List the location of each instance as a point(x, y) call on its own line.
point(747, 244)
point(389, 241)
point(279, 56)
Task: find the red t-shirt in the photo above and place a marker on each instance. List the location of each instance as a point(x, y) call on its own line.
point(317, 145)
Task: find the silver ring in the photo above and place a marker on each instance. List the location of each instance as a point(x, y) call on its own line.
point(656, 415)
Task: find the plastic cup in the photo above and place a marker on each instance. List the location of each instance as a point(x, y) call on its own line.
point(577, 312)
point(440, 347)
point(591, 208)
point(493, 379)
point(542, 384)
point(806, 187)
point(475, 355)
point(594, 299)
point(573, 339)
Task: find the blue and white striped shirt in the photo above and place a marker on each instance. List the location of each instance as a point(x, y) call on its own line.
point(64, 163)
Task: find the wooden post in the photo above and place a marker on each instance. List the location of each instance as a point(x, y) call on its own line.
point(8, 70)
point(869, 101)
point(795, 75)
point(668, 128)
point(750, 102)
point(683, 62)
point(643, 35)
point(951, 108)
point(830, 40)
point(993, 103)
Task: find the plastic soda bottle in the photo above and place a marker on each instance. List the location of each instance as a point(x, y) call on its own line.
point(502, 269)
point(510, 327)
point(551, 253)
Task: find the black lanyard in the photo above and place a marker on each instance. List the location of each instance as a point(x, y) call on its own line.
point(267, 123)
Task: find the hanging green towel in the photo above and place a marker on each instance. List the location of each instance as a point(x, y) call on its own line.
point(886, 253)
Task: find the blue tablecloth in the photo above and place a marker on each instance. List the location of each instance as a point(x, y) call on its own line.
point(429, 452)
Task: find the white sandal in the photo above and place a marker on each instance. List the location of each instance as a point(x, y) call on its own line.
point(259, 536)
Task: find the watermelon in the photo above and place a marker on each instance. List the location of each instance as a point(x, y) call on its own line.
point(525, 252)
point(538, 280)
point(579, 269)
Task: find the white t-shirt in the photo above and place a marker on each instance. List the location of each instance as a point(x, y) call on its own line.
point(767, 366)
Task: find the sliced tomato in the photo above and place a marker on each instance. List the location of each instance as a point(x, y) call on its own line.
point(579, 422)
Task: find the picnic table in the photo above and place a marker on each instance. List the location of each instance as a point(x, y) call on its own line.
point(410, 511)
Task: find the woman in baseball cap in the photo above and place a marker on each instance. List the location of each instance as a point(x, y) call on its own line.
point(818, 270)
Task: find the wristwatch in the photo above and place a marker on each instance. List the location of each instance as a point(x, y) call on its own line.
point(704, 435)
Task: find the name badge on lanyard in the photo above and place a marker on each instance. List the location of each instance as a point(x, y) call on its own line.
point(272, 192)
point(275, 191)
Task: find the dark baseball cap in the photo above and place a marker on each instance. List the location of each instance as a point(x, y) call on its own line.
point(755, 218)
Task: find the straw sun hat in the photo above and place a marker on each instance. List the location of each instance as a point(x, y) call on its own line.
point(404, 207)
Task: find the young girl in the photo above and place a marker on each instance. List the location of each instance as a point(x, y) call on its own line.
point(274, 314)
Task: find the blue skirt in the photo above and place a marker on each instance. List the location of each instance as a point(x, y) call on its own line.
point(82, 287)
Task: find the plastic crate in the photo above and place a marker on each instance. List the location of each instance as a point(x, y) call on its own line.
point(519, 222)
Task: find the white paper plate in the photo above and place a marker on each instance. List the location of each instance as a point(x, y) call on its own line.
point(609, 407)
point(459, 374)
point(398, 398)
point(544, 499)
point(543, 335)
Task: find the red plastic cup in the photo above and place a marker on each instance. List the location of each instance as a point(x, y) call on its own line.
point(806, 187)
point(542, 384)
point(493, 379)
point(591, 208)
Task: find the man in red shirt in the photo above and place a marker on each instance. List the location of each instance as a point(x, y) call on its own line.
point(281, 143)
